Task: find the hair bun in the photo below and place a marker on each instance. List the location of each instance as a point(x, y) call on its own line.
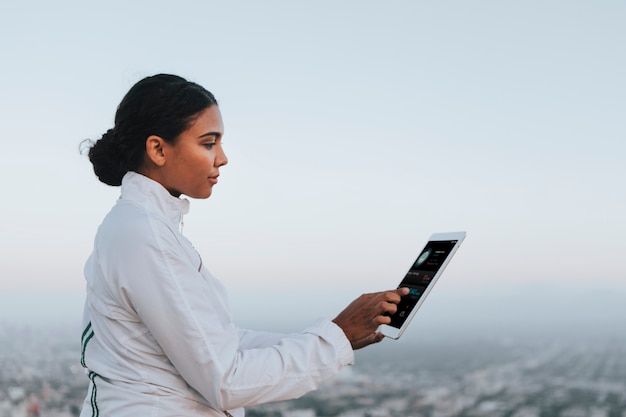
point(107, 159)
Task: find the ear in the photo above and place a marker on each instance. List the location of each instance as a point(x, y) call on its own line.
point(155, 150)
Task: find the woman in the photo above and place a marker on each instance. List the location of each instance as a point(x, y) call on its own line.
point(158, 338)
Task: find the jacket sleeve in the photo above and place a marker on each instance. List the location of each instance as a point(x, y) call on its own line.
point(250, 339)
point(186, 312)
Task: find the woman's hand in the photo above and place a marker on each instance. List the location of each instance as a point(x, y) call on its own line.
point(360, 320)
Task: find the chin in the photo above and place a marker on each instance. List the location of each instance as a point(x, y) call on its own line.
point(204, 195)
point(199, 195)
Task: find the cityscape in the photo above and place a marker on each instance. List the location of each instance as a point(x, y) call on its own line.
point(40, 375)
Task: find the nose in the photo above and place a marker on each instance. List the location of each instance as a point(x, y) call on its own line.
point(220, 158)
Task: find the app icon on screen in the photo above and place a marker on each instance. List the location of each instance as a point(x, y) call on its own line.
point(423, 257)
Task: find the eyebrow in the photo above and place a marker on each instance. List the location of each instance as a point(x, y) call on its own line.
point(216, 134)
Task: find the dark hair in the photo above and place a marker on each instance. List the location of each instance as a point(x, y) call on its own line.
point(163, 105)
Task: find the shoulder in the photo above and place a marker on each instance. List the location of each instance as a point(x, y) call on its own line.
point(129, 228)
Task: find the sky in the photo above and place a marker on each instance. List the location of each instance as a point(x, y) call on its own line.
point(354, 130)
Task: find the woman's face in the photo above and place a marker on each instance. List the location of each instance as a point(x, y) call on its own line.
point(192, 162)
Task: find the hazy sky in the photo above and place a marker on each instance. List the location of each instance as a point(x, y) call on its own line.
point(354, 129)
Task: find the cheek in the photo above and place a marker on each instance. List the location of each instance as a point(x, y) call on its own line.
point(198, 158)
point(203, 161)
point(208, 158)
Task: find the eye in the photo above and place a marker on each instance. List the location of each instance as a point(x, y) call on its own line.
point(209, 145)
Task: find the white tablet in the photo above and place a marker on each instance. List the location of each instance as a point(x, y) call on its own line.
point(421, 278)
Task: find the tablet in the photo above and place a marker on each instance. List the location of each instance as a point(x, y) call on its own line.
point(420, 279)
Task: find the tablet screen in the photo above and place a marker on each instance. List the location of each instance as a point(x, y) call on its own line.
point(420, 276)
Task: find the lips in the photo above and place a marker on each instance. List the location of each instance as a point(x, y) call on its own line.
point(213, 180)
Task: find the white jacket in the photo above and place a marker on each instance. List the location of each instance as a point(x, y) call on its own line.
point(158, 337)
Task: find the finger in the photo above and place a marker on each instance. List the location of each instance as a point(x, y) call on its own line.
point(385, 308)
point(396, 295)
point(368, 340)
point(389, 308)
point(403, 291)
point(381, 319)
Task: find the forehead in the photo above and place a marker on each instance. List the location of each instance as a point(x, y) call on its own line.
point(208, 121)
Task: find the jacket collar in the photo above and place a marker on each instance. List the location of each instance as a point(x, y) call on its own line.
point(154, 198)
